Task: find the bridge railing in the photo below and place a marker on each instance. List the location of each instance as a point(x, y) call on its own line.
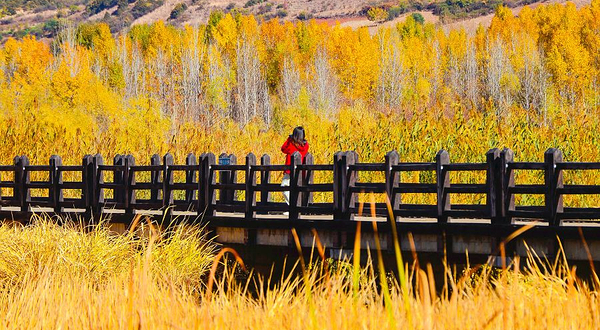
point(212, 190)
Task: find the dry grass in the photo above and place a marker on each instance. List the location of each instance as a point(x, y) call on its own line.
point(55, 276)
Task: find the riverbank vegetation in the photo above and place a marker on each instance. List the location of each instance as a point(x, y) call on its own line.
point(66, 276)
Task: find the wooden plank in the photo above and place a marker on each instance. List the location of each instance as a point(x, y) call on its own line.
point(232, 167)
point(269, 168)
point(39, 185)
point(578, 166)
point(148, 168)
point(574, 189)
point(418, 206)
point(118, 193)
point(466, 167)
point(412, 167)
point(230, 207)
point(533, 189)
point(187, 167)
point(416, 213)
point(191, 181)
point(308, 187)
point(270, 187)
point(478, 207)
point(70, 168)
point(87, 177)
point(295, 181)
point(228, 187)
point(129, 180)
point(504, 200)
point(363, 187)
point(167, 181)
point(38, 168)
point(467, 188)
point(147, 186)
point(338, 178)
point(98, 179)
point(316, 187)
point(523, 213)
point(265, 178)
point(24, 180)
point(580, 213)
point(112, 167)
point(56, 178)
point(469, 214)
point(113, 186)
point(206, 194)
point(526, 166)
point(315, 167)
point(271, 206)
point(443, 182)
point(367, 167)
point(318, 208)
point(250, 191)
point(392, 180)
point(189, 187)
point(553, 180)
point(72, 185)
point(351, 178)
point(493, 182)
point(155, 178)
point(416, 188)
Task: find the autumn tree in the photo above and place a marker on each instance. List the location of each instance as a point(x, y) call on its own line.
point(377, 14)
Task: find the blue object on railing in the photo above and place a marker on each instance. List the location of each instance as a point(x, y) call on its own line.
point(224, 161)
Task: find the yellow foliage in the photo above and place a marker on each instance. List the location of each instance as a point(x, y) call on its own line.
point(115, 96)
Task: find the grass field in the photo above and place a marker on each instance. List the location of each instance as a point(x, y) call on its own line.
point(69, 277)
point(240, 84)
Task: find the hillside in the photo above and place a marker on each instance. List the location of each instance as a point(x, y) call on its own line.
point(41, 17)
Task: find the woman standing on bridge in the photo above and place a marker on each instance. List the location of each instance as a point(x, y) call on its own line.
point(295, 142)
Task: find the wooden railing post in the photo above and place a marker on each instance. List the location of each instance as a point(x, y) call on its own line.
point(308, 179)
point(25, 177)
point(167, 183)
point(201, 179)
point(227, 196)
point(506, 200)
point(118, 178)
point(493, 183)
point(265, 178)
point(351, 179)
point(155, 178)
point(56, 179)
point(190, 177)
point(129, 180)
point(17, 178)
point(223, 179)
point(339, 177)
point(206, 194)
point(232, 195)
point(392, 179)
point(250, 191)
point(86, 179)
point(295, 176)
point(98, 197)
point(443, 181)
point(553, 180)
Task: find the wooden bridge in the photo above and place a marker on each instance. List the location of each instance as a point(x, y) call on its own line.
point(211, 192)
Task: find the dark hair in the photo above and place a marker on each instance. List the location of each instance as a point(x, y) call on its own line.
point(298, 136)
